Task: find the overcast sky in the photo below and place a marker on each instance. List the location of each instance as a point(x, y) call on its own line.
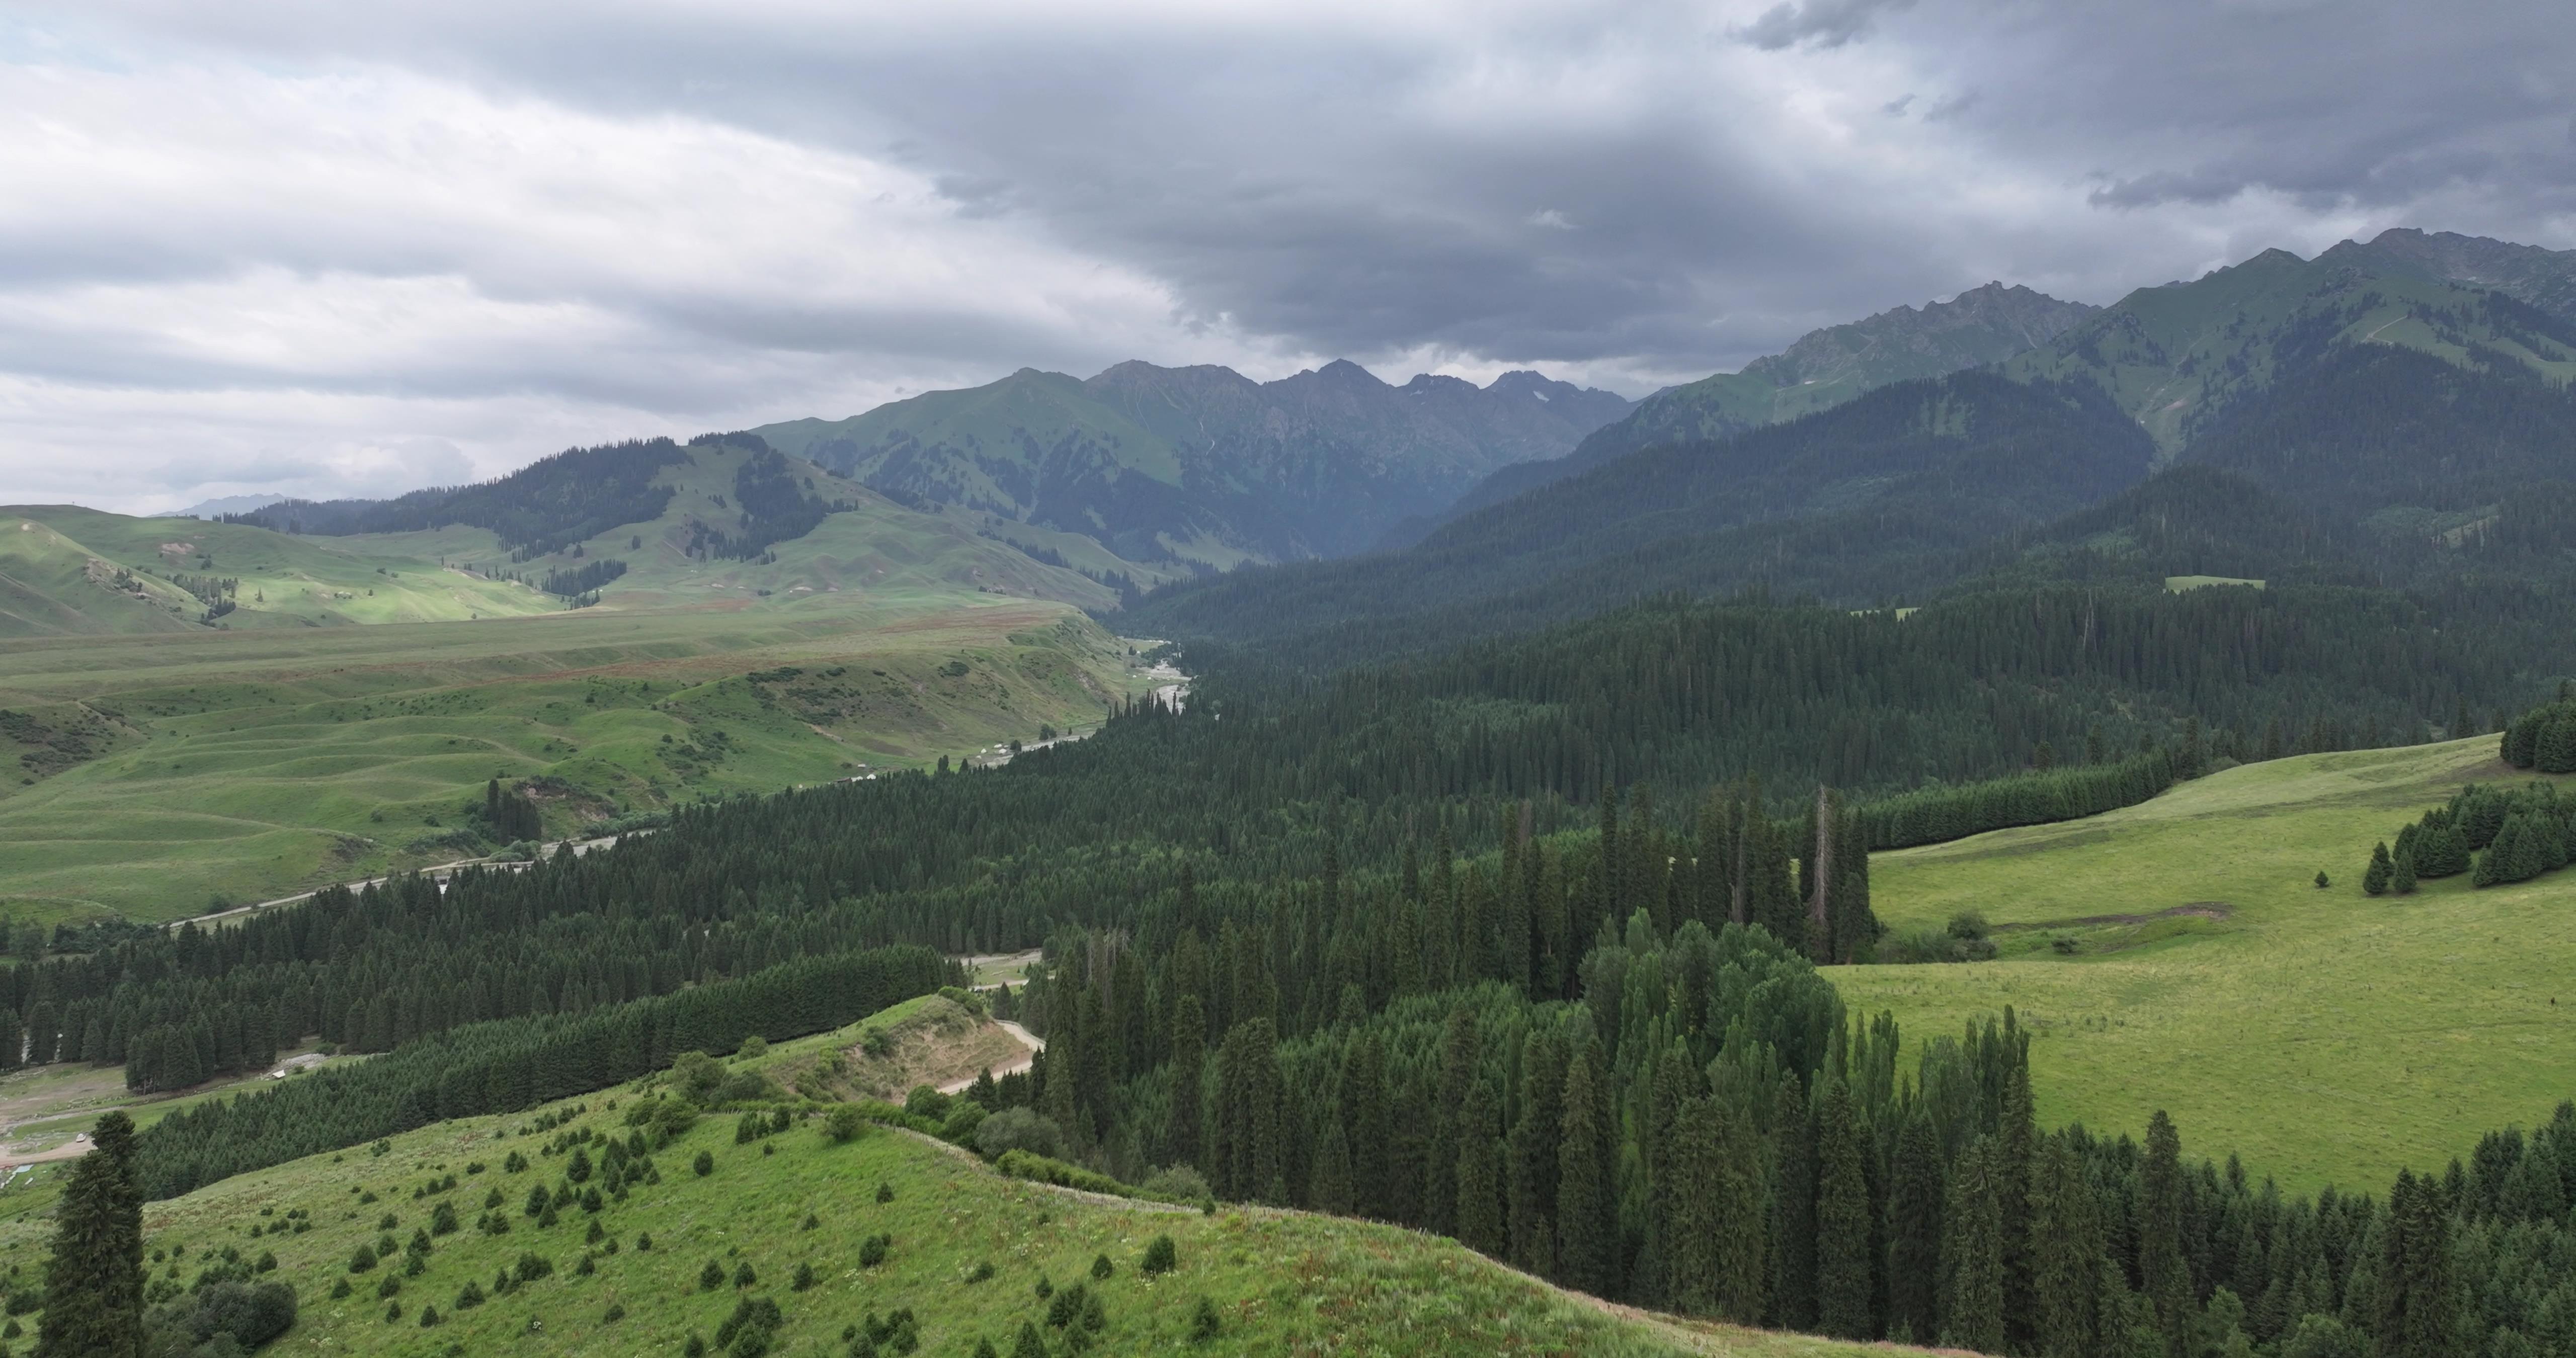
point(334, 248)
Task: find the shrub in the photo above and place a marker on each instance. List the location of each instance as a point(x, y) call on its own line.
point(429, 1317)
point(442, 1219)
point(1066, 1306)
point(753, 1048)
point(1018, 1129)
point(644, 1241)
point(982, 1272)
point(755, 1319)
point(614, 1314)
point(804, 1280)
point(1178, 1183)
point(363, 1259)
point(872, 1251)
point(743, 1276)
point(877, 1042)
point(926, 1102)
point(965, 1118)
point(1203, 1322)
point(711, 1277)
point(844, 1123)
point(1968, 925)
point(705, 1164)
point(341, 1289)
point(1161, 1257)
point(388, 1287)
point(532, 1267)
point(470, 1297)
point(1101, 1268)
point(885, 1191)
point(246, 1314)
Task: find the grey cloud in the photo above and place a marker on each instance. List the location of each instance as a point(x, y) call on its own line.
point(1820, 23)
point(2168, 186)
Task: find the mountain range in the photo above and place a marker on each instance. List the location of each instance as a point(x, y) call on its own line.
point(1202, 463)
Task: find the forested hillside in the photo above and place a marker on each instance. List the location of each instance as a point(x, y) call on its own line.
point(1823, 369)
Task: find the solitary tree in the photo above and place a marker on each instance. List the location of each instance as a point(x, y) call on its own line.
point(94, 1281)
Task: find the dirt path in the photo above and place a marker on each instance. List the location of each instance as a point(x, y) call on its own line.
point(1032, 1041)
point(439, 872)
point(73, 1149)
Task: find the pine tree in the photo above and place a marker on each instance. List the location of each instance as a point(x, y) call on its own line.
point(1793, 1211)
point(94, 1279)
point(2163, 1273)
point(1458, 1060)
point(1479, 1192)
point(1690, 1187)
point(1587, 1249)
point(2374, 880)
point(1533, 1151)
point(1914, 1204)
point(1843, 1286)
point(2065, 1250)
point(2016, 1160)
point(2401, 877)
point(1181, 1121)
point(1972, 1262)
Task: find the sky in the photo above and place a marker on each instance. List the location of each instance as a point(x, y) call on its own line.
point(330, 249)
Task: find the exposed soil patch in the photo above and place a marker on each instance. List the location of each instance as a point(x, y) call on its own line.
point(2213, 910)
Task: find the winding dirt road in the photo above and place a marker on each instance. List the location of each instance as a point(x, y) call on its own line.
point(1032, 1041)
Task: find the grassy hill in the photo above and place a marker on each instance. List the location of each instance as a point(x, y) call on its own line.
point(65, 570)
point(2326, 1036)
point(161, 759)
point(1280, 1282)
point(248, 765)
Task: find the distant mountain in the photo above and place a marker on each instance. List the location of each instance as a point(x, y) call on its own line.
point(1201, 463)
point(1844, 503)
point(2181, 356)
point(2526, 273)
point(228, 504)
point(1823, 369)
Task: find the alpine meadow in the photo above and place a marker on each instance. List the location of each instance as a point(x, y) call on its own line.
point(1770, 680)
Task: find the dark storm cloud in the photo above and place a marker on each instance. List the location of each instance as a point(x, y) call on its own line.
point(1646, 191)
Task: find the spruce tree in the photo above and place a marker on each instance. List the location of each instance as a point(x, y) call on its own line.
point(1479, 1191)
point(1533, 1151)
point(2374, 879)
point(94, 1279)
point(1793, 1210)
point(1181, 1121)
point(2164, 1274)
point(1914, 1204)
point(2066, 1254)
point(1972, 1258)
point(1843, 1286)
point(1587, 1249)
point(2016, 1159)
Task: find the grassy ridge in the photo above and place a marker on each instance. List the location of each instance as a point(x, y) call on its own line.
point(2324, 1035)
point(1282, 1282)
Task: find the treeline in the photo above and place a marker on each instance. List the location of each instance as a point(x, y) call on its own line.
point(775, 508)
point(1932, 815)
point(2544, 738)
point(2496, 834)
point(514, 1063)
point(581, 580)
point(542, 508)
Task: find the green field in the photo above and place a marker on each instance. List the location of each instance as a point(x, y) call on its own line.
point(247, 765)
point(2323, 1035)
point(158, 759)
point(1282, 1282)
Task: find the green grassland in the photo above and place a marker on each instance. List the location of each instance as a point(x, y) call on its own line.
point(154, 761)
point(2324, 1035)
point(1282, 1282)
point(67, 570)
point(248, 765)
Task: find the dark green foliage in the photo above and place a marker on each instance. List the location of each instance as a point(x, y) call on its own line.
point(546, 506)
point(2375, 879)
point(1972, 1253)
point(1161, 1257)
point(1101, 1269)
point(748, 1331)
point(1844, 1275)
point(1916, 1194)
point(94, 1274)
point(872, 1251)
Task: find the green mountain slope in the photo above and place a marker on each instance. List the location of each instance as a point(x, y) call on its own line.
point(965, 1251)
point(69, 570)
point(2527, 273)
point(1823, 369)
point(2178, 357)
point(1921, 467)
point(1202, 464)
